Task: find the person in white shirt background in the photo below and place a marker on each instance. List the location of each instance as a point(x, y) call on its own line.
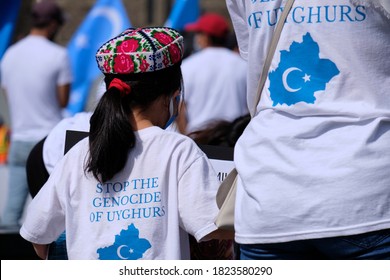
point(214, 77)
point(36, 78)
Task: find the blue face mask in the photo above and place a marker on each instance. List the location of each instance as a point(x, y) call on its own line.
point(172, 113)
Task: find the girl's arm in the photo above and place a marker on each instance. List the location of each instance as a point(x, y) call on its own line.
point(41, 250)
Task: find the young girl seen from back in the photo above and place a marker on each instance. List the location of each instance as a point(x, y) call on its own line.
point(131, 190)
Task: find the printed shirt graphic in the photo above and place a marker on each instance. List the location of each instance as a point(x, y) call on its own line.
point(300, 74)
point(145, 212)
point(318, 148)
point(127, 246)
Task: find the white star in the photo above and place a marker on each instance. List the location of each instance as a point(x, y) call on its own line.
point(306, 78)
point(131, 250)
point(82, 41)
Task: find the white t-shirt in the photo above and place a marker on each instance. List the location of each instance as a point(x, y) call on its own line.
point(314, 162)
point(54, 145)
point(214, 86)
point(31, 70)
point(166, 189)
point(382, 5)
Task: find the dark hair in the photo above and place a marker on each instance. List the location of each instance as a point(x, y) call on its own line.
point(231, 41)
point(221, 133)
point(43, 23)
point(218, 41)
point(43, 13)
point(111, 135)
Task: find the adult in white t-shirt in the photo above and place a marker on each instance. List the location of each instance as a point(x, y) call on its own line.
point(314, 162)
point(36, 77)
point(214, 77)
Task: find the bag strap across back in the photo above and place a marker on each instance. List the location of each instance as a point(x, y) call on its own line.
point(271, 52)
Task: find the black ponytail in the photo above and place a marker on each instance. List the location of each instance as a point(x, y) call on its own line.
point(111, 135)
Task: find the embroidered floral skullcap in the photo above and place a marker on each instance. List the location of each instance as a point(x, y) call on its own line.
point(141, 50)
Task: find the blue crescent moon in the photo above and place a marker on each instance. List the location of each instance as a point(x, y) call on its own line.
point(285, 76)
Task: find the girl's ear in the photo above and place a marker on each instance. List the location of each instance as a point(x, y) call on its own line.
point(162, 103)
point(166, 101)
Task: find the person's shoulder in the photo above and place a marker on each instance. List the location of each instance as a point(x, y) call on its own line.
point(72, 164)
point(165, 136)
point(191, 59)
point(184, 144)
point(233, 56)
point(80, 121)
point(171, 135)
point(193, 62)
point(56, 47)
point(14, 49)
point(79, 151)
point(177, 139)
point(43, 44)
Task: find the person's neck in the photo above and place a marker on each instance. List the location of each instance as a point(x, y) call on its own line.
point(140, 120)
point(141, 124)
point(40, 32)
point(152, 116)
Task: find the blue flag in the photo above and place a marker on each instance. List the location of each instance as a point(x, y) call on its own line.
point(183, 12)
point(8, 14)
point(106, 19)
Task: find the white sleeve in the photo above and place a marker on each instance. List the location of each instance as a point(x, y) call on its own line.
point(237, 13)
point(381, 5)
point(197, 198)
point(45, 219)
point(65, 72)
point(53, 147)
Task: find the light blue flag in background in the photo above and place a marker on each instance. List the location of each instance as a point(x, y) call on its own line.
point(183, 12)
point(9, 11)
point(106, 19)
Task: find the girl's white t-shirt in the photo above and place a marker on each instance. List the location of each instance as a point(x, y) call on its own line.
point(314, 162)
point(166, 190)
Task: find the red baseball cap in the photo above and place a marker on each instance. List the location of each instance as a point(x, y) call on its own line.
point(211, 24)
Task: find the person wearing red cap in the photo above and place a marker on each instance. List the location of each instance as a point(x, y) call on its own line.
point(212, 25)
point(214, 77)
point(36, 77)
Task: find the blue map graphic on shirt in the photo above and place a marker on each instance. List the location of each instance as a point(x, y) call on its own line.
point(127, 246)
point(300, 74)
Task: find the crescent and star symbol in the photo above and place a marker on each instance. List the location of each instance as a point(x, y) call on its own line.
point(111, 15)
point(118, 251)
point(286, 73)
